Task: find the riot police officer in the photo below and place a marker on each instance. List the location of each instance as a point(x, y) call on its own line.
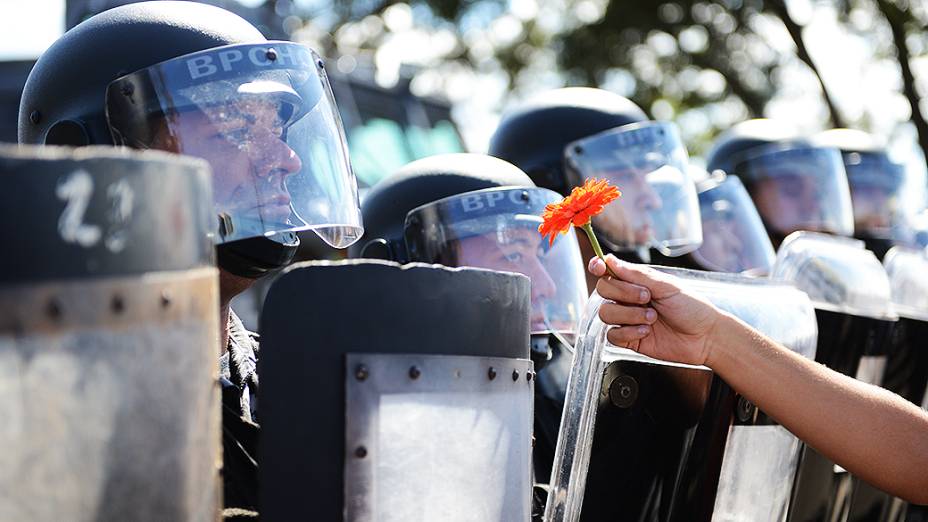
point(480, 211)
point(195, 79)
point(565, 136)
point(795, 184)
point(883, 195)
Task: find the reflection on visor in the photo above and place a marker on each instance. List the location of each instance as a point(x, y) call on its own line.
point(264, 117)
point(734, 239)
point(497, 229)
point(799, 188)
point(648, 163)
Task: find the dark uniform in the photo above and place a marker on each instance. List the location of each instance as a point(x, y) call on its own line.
point(239, 379)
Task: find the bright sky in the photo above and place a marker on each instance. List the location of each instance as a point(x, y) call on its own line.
point(28, 27)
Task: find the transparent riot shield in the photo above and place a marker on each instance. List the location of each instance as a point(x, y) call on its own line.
point(396, 393)
point(108, 338)
point(672, 441)
point(856, 320)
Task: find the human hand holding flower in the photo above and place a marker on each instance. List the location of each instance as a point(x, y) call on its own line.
point(669, 323)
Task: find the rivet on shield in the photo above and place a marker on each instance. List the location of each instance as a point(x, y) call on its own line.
point(117, 305)
point(360, 373)
point(529, 375)
point(414, 372)
point(165, 299)
point(35, 117)
point(271, 55)
point(515, 375)
point(623, 391)
point(360, 452)
point(320, 64)
point(53, 309)
point(745, 409)
point(491, 373)
point(578, 149)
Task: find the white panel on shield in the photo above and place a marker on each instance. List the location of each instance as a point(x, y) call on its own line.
point(761, 490)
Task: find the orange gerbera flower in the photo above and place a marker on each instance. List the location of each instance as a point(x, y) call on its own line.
point(577, 209)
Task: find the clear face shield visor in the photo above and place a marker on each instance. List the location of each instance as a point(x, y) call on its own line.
point(733, 235)
point(648, 163)
point(264, 117)
point(497, 229)
point(877, 184)
point(799, 188)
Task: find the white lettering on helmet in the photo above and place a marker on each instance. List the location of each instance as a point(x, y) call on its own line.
point(472, 203)
point(285, 56)
point(493, 197)
point(258, 56)
point(201, 66)
point(227, 58)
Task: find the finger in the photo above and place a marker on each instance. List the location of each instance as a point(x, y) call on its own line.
point(617, 314)
point(642, 275)
point(622, 291)
point(625, 335)
point(596, 266)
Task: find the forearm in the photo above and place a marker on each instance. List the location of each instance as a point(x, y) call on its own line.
point(869, 431)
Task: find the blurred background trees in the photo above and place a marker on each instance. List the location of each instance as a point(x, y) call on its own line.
point(705, 63)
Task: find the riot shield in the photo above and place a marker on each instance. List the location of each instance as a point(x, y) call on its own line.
point(851, 294)
point(906, 365)
point(108, 338)
point(673, 442)
point(396, 393)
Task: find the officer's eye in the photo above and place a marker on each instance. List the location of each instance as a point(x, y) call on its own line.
point(513, 257)
point(233, 136)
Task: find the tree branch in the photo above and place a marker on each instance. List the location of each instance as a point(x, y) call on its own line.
point(795, 32)
point(896, 19)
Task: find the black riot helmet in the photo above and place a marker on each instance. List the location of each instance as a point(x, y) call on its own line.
point(198, 80)
point(533, 137)
point(794, 183)
point(565, 137)
point(883, 210)
point(478, 211)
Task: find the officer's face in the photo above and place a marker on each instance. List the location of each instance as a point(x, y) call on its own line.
point(519, 251)
point(722, 244)
point(244, 144)
point(873, 206)
point(628, 219)
point(788, 202)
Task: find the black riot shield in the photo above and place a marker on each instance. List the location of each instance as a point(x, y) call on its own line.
point(906, 368)
point(396, 393)
point(108, 338)
point(856, 320)
point(673, 442)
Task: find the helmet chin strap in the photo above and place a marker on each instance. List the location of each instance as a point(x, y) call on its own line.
point(257, 257)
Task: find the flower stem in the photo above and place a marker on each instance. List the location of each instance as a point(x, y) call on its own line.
point(588, 228)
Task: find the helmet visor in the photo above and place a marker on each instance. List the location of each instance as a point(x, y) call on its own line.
point(799, 188)
point(648, 163)
point(734, 239)
point(877, 185)
point(264, 117)
point(497, 229)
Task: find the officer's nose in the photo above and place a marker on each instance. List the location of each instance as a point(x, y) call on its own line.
point(543, 287)
point(277, 157)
